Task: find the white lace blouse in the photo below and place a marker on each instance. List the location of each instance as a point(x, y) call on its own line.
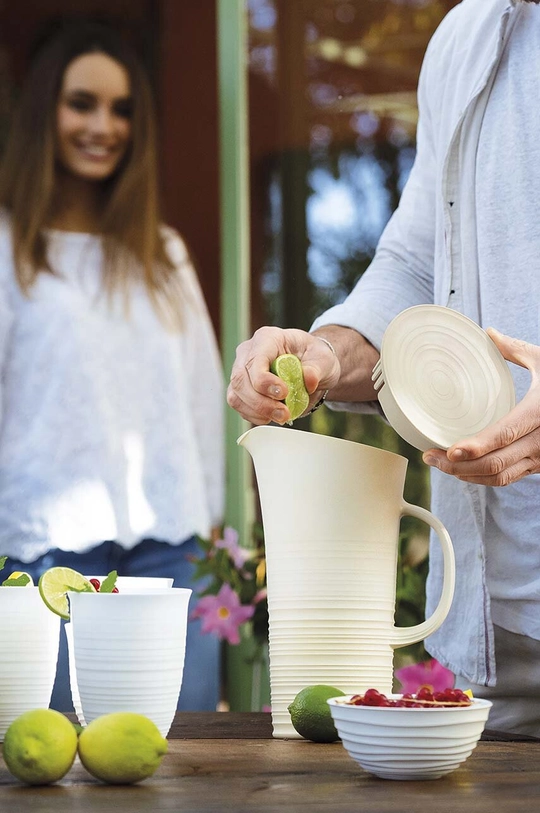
point(111, 428)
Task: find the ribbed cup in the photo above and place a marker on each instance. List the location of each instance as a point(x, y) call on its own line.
point(29, 639)
point(128, 652)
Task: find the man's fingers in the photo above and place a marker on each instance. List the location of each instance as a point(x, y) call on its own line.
point(516, 350)
point(497, 468)
point(511, 474)
point(520, 422)
point(259, 412)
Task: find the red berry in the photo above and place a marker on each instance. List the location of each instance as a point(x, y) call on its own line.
point(424, 698)
point(95, 583)
point(115, 590)
point(374, 698)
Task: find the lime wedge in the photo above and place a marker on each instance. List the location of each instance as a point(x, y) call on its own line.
point(289, 369)
point(19, 578)
point(54, 585)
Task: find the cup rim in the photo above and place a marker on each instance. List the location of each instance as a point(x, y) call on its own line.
point(134, 591)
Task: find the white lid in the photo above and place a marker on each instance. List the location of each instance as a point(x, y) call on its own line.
point(440, 377)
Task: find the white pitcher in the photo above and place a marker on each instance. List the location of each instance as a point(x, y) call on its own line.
point(331, 513)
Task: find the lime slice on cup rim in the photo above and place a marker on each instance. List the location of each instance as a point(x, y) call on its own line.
point(55, 584)
point(289, 369)
point(18, 578)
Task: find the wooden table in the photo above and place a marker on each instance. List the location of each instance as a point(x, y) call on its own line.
point(229, 762)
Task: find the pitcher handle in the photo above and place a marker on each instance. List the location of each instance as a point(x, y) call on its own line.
point(403, 636)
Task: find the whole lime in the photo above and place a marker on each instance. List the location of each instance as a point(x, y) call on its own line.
point(310, 713)
point(40, 746)
point(121, 748)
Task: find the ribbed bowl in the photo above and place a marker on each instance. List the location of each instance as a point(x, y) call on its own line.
point(408, 743)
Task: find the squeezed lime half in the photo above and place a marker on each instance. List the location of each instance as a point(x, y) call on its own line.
point(289, 369)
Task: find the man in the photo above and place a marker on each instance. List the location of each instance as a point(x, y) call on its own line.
point(466, 235)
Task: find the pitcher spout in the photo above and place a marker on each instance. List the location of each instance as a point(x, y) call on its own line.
point(241, 441)
point(261, 439)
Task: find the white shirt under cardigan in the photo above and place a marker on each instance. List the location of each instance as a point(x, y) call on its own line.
point(111, 428)
point(467, 235)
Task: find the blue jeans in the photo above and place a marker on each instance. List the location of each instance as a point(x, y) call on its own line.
point(201, 681)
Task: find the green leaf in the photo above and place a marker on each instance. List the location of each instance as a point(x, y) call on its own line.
point(3, 560)
point(72, 589)
point(109, 582)
point(19, 581)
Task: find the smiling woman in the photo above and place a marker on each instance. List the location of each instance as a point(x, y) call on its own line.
point(94, 117)
point(87, 87)
point(111, 372)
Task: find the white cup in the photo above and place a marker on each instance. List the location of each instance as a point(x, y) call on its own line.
point(29, 640)
point(128, 651)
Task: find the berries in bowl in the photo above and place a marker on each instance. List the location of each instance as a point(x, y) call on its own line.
point(405, 736)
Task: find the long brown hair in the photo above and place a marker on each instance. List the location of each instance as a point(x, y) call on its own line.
point(132, 244)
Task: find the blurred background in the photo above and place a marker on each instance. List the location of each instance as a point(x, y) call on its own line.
point(287, 132)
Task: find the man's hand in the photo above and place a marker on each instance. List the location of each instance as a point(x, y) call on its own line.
point(256, 393)
point(510, 449)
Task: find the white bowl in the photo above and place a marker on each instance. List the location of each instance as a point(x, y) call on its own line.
point(407, 743)
point(440, 378)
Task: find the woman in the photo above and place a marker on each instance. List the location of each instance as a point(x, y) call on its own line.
point(111, 434)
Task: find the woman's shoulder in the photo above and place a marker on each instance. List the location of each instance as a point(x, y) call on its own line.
point(8, 284)
point(5, 228)
point(175, 246)
point(6, 246)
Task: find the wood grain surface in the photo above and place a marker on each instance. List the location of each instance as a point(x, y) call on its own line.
point(229, 762)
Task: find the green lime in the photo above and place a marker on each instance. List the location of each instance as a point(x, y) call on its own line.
point(40, 746)
point(121, 748)
point(54, 585)
point(289, 369)
point(311, 715)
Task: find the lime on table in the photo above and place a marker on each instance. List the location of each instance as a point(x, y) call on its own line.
point(311, 715)
point(40, 746)
point(122, 747)
point(289, 369)
point(55, 584)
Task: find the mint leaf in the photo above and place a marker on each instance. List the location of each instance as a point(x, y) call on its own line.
point(108, 583)
point(71, 589)
point(3, 560)
point(19, 581)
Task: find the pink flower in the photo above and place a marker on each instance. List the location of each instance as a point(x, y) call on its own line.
point(429, 673)
point(260, 595)
point(230, 543)
point(223, 614)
